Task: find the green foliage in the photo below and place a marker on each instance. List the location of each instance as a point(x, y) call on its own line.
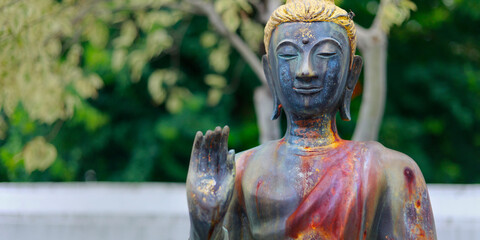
point(121, 87)
point(140, 125)
point(432, 110)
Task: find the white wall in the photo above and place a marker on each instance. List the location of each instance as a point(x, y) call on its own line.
point(127, 211)
point(93, 211)
point(456, 209)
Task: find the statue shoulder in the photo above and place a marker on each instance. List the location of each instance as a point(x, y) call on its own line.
point(390, 159)
point(396, 168)
point(399, 170)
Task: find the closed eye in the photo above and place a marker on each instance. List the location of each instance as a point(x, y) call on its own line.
point(326, 54)
point(287, 56)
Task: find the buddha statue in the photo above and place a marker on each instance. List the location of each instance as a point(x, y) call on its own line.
point(310, 184)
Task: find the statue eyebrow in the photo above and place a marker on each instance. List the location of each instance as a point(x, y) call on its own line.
point(285, 42)
point(331, 40)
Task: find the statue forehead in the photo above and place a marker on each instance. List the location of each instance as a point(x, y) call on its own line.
point(313, 31)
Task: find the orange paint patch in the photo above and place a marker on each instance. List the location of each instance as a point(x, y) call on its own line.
point(357, 90)
point(422, 233)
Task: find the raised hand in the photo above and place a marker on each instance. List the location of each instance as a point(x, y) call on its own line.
point(210, 180)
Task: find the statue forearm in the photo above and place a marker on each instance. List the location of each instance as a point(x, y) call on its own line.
point(198, 231)
point(201, 230)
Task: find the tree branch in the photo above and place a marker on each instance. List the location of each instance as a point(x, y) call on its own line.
point(265, 8)
point(377, 22)
point(362, 37)
point(250, 57)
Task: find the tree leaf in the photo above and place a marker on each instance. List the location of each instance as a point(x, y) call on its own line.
point(155, 87)
point(231, 19)
point(157, 41)
point(119, 57)
point(128, 33)
point(208, 39)
point(218, 58)
point(38, 154)
point(215, 81)
point(98, 34)
point(214, 96)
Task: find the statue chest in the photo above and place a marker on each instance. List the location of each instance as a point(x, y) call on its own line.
point(314, 198)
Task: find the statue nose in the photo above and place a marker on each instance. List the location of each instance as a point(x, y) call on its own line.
point(305, 71)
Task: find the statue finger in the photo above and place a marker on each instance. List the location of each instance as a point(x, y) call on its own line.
point(228, 167)
point(223, 146)
point(195, 156)
point(215, 152)
point(204, 151)
point(224, 139)
point(217, 140)
point(208, 149)
point(230, 164)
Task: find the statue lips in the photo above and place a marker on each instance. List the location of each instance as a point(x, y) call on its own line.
point(307, 89)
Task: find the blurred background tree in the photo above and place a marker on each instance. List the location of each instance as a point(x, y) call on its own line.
point(115, 90)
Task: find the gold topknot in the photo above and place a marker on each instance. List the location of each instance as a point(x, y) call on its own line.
point(311, 11)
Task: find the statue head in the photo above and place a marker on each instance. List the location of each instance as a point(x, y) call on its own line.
point(310, 63)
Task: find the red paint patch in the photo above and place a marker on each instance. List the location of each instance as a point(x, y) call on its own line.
point(410, 179)
point(259, 183)
point(418, 204)
point(258, 186)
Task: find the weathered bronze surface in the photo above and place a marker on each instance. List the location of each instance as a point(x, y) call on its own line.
point(310, 184)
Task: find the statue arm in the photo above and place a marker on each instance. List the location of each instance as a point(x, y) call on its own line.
point(406, 211)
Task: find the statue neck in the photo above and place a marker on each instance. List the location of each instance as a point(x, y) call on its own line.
point(313, 132)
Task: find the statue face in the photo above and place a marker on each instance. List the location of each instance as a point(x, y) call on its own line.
point(309, 64)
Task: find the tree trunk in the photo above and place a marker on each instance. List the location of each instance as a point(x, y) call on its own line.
point(268, 129)
point(373, 45)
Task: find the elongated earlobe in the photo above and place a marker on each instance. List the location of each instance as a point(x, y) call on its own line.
point(352, 79)
point(277, 106)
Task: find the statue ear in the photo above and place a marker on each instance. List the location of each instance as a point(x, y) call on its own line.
point(352, 79)
point(277, 106)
